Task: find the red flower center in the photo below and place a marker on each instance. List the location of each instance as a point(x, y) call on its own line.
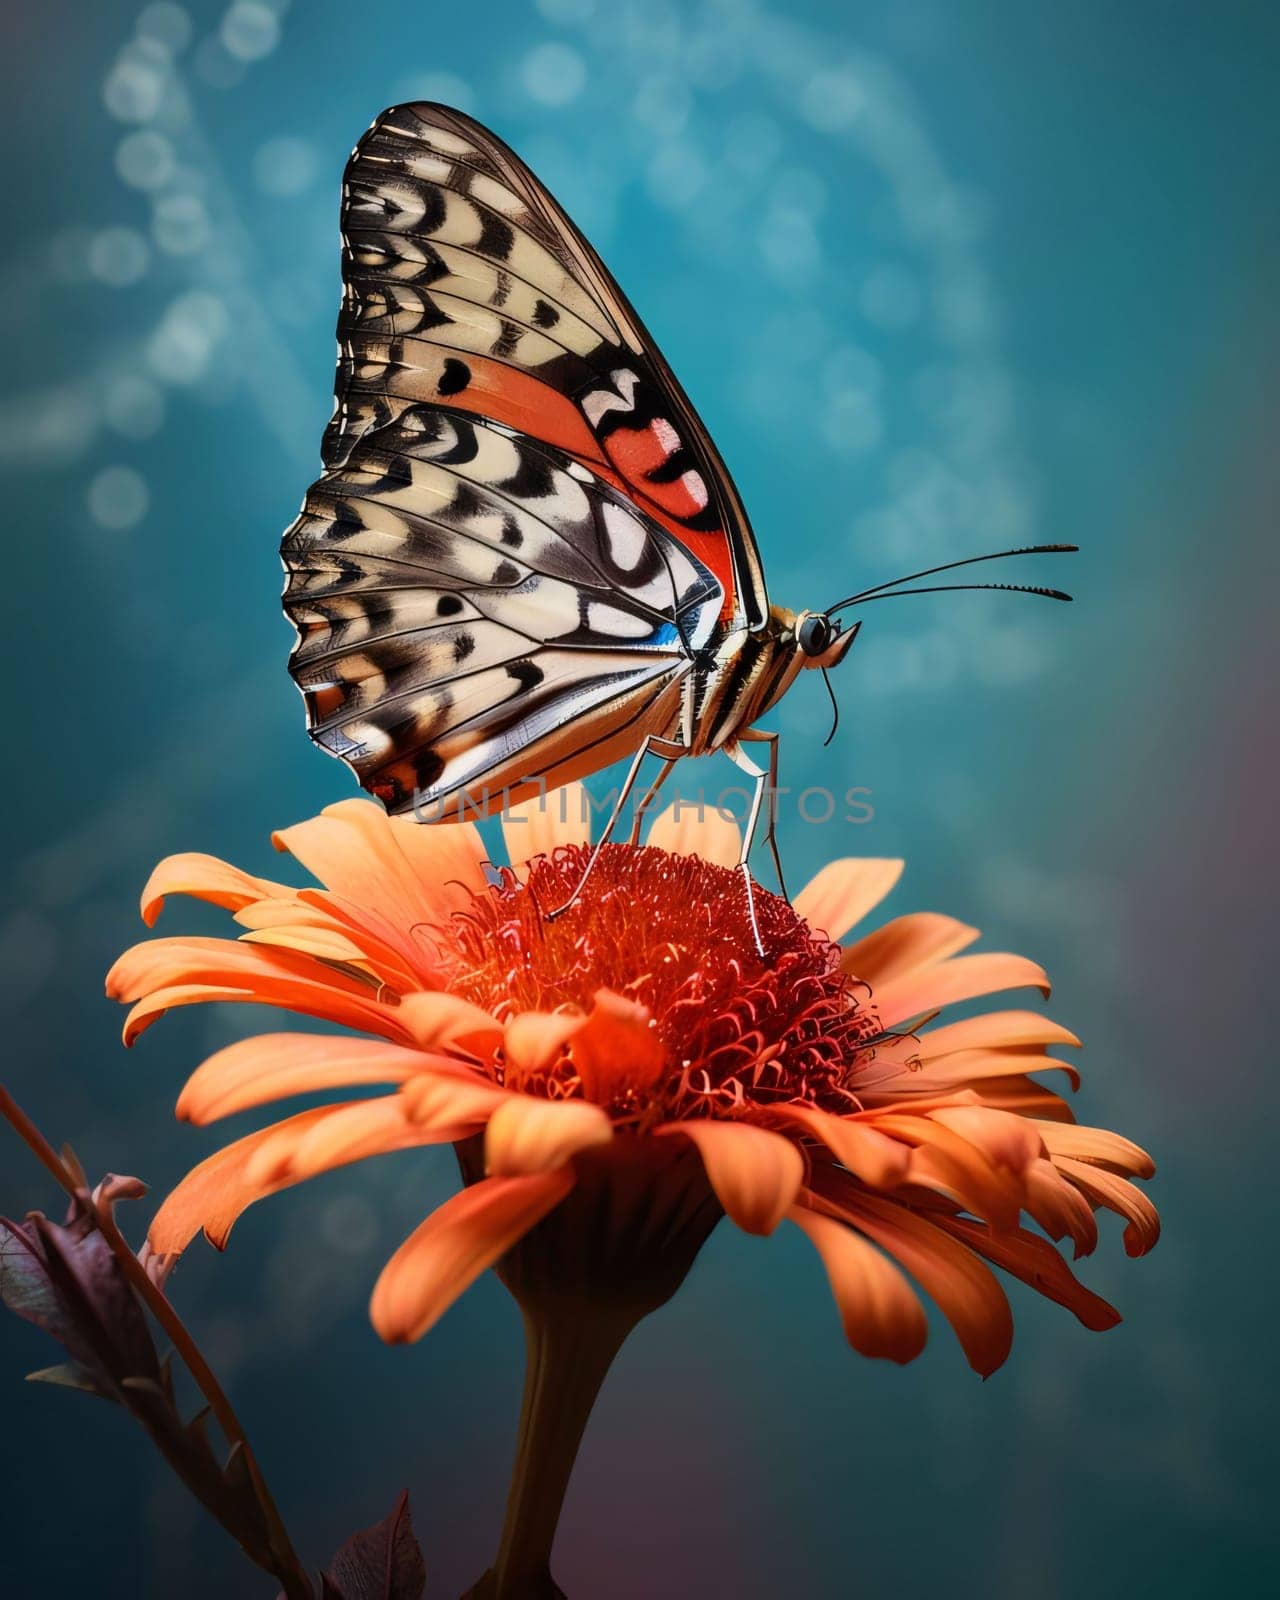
point(671, 933)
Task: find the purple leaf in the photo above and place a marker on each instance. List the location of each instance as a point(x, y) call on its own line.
point(66, 1280)
point(380, 1563)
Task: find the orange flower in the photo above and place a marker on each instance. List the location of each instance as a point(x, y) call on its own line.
point(618, 1078)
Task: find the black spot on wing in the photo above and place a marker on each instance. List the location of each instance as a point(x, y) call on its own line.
point(673, 468)
point(647, 405)
point(448, 605)
point(427, 767)
point(533, 479)
point(468, 501)
point(544, 316)
point(707, 520)
point(496, 237)
point(454, 376)
point(527, 674)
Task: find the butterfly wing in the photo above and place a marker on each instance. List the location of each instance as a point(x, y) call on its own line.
point(477, 610)
point(466, 285)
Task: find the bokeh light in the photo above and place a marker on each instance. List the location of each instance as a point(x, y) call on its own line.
point(180, 224)
point(134, 406)
point(250, 30)
point(118, 498)
point(145, 159)
point(553, 74)
point(165, 24)
point(118, 256)
point(285, 166)
point(190, 331)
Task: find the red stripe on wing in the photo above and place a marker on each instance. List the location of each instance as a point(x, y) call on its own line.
point(520, 401)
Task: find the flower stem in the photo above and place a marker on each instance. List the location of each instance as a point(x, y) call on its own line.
point(570, 1348)
point(615, 1249)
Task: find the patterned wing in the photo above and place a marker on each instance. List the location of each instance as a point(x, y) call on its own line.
point(476, 609)
point(466, 285)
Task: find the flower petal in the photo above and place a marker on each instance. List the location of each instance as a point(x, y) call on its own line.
point(532, 1040)
point(213, 1195)
point(964, 978)
point(449, 1251)
point(844, 892)
point(1035, 1262)
point(1119, 1195)
point(157, 963)
point(995, 1030)
point(205, 878)
point(272, 1066)
point(1006, 1140)
point(414, 874)
point(916, 940)
point(997, 1077)
point(1060, 1208)
point(617, 1047)
point(950, 1165)
point(756, 1174)
point(325, 944)
point(291, 912)
point(1025, 1096)
point(1097, 1145)
point(879, 1310)
point(868, 1153)
point(454, 1098)
point(361, 1128)
point(971, 1066)
point(690, 828)
point(527, 1135)
point(544, 823)
point(436, 1020)
point(319, 1000)
point(314, 909)
point(447, 858)
point(966, 1292)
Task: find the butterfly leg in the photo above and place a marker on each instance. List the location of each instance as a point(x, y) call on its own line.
point(758, 736)
point(759, 779)
point(651, 793)
point(628, 783)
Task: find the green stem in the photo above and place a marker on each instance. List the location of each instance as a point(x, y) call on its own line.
point(615, 1249)
point(568, 1356)
point(569, 1352)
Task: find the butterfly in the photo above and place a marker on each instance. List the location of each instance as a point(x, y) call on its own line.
point(524, 559)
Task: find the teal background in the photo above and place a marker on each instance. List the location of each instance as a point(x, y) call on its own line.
point(940, 277)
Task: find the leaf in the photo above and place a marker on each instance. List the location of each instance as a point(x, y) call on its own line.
point(65, 1279)
point(379, 1563)
point(70, 1375)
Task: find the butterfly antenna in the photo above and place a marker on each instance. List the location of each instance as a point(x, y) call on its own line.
point(835, 709)
point(952, 588)
point(876, 590)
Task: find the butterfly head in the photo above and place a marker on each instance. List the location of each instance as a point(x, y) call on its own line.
point(820, 641)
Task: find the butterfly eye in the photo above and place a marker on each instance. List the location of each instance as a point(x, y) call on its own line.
point(815, 634)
